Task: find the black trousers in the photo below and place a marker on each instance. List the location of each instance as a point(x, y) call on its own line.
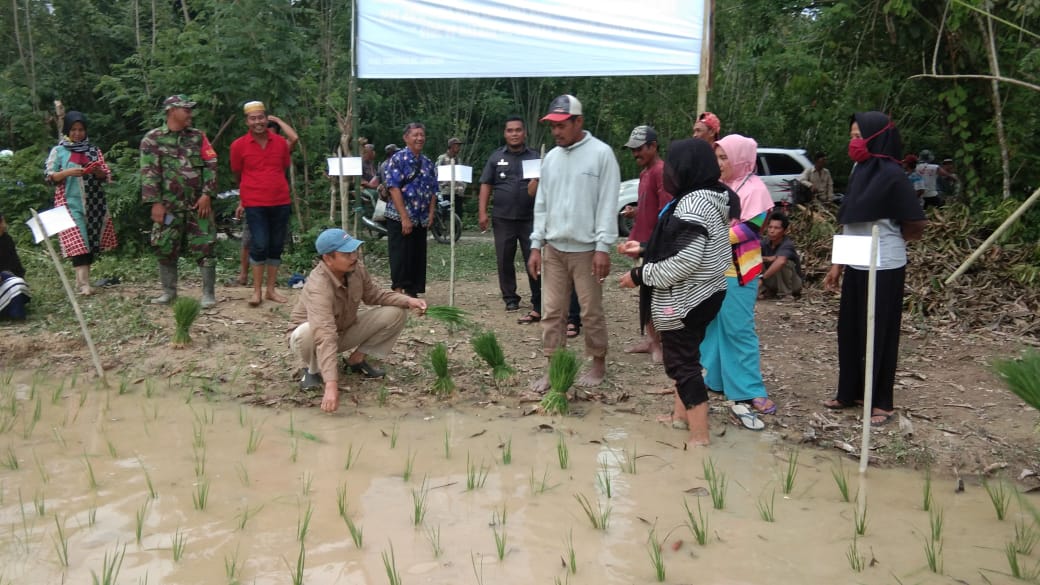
point(407, 257)
point(510, 234)
point(852, 335)
point(682, 351)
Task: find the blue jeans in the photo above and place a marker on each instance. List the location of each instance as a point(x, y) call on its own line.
point(268, 226)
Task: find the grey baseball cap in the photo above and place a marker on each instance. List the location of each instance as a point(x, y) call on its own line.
point(562, 108)
point(640, 136)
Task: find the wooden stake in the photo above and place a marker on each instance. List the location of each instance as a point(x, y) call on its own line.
point(868, 375)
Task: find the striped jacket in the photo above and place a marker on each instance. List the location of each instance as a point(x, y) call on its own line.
point(693, 266)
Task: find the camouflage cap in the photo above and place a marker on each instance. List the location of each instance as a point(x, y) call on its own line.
point(177, 101)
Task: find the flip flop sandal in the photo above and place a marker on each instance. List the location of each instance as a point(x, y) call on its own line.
point(529, 318)
point(573, 330)
point(747, 417)
point(763, 405)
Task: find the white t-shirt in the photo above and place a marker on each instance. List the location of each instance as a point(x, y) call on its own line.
point(929, 173)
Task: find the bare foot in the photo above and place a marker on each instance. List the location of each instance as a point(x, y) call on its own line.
point(642, 346)
point(254, 301)
point(272, 295)
point(242, 280)
point(541, 385)
point(657, 356)
point(699, 442)
point(589, 379)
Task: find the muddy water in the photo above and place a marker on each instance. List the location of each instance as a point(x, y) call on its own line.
point(257, 501)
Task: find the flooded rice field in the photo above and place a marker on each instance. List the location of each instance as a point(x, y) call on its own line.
point(159, 485)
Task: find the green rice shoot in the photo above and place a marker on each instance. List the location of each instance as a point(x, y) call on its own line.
point(454, 317)
point(487, 347)
point(563, 369)
point(1022, 376)
point(443, 385)
point(185, 311)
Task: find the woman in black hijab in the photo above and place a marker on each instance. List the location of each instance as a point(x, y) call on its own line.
point(682, 280)
point(878, 194)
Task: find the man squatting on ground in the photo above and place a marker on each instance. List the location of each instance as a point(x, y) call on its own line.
point(783, 268)
point(325, 321)
point(178, 180)
point(259, 160)
point(512, 217)
point(575, 226)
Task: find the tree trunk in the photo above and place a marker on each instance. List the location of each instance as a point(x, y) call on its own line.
point(998, 109)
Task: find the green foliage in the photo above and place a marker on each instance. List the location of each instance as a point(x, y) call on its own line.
point(1022, 377)
point(443, 385)
point(185, 311)
point(487, 347)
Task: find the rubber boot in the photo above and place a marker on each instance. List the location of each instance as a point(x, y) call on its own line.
point(168, 278)
point(209, 279)
point(83, 280)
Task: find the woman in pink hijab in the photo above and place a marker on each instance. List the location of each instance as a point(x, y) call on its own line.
point(730, 348)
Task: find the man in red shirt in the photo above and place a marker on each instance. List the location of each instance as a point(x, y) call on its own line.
point(259, 161)
point(652, 199)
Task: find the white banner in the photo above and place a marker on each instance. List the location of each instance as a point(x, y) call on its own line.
point(407, 39)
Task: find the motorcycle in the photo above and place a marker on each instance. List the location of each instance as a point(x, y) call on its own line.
point(440, 228)
point(365, 209)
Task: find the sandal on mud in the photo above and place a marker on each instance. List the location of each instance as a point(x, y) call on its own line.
point(763, 405)
point(573, 330)
point(532, 317)
point(676, 423)
point(747, 417)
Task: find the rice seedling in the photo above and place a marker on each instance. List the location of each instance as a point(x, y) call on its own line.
point(356, 533)
point(246, 514)
point(124, 384)
point(933, 554)
point(487, 347)
point(598, 516)
point(653, 546)
point(628, 462)
point(856, 560)
point(562, 453)
point(476, 475)
point(61, 542)
point(200, 497)
point(1012, 556)
point(716, 483)
point(447, 443)
point(10, 460)
point(294, 449)
point(303, 523)
point(859, 519)
point(177, 544)
point(603, 479)
point(306, 481)
point(41, 469)
point(572, 559)
point(393, 436)
point(500, 542)
point(443, 385)
point(926, 498)
point(499, 518)
point(390, 564)
point(382, 395)
point(409, 463)
point(91, 480)
point(185, 311)
point(454, 317)
point(698, 524)
point(792, 471)
point(111, 448)
point(478, 568)
point(110, 567)
point(40, 504)
point(563, 368)
point(296, 572)
point(149, 388)
point(6, 424)
point(92, 515)
point(540, 486)
point(255, 437)
point(57, 393)
point(433, 536)
point(232, 569)
point(1022, 376)
point(199, 456)
point(766, 507)
point(26, 526)
point(30, 425)
point(841, 478)
point(243, 474)
point(507, 451)
point(1025, 536)
point(341, 499)
point(999, 496)
point(352, 456)
point(935, 520)
point(419, 503)
point(139, 517)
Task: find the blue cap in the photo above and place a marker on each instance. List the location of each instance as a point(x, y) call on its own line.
point(336, 240)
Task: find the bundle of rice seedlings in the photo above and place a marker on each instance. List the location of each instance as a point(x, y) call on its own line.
point(439, 361)
point(185, 311)
point(563, 368)
point(486, 346)
point(1022, 377)
point(453, 316)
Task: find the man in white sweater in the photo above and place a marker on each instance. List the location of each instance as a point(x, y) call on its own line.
point(575, 225)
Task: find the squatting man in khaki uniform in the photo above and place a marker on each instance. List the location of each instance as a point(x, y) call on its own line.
point(326, 322)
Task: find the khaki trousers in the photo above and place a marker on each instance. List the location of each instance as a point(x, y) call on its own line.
point(562, 271)
point(374, 333)
point(783, 283)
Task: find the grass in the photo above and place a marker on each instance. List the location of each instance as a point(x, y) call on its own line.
point(476, 475)
point(139, 517)
point(419, 503)
point(255, 437)
point(599, 516)
point(499, 518)
point(628, 464)
point(487, 347)
point(856, 560)
point(933, 543)
point(859, 519)
point(382, 395)
point(433, 536)
point(572, 559)
point(185, 311)
point(1025, 537)
point(199, 456)
point(110, 567)
point(306, 483)
point(58, 392)
point(390, 564)
point(507, 451)
point(352, 456)
point(766, 507)
point(356, 533)
point(40, 504)
point(443, 385)
point(500, 542)
point(296, 572)
point(935, 521)
point(653, 546)
point(604, 481)
point(341, 498)
point(716, 483)
point(393, 436)
point(791, 472)
point(409, 464)
point(542, 486)
point(999, 496)
point(1022, 376)
point(926, 496)
point(303, 522)
point(231, 568)
point(61, 542)
point(562, 453)
point(454, 317)
point(200, 497)
point(563, 368)
point(698, 524)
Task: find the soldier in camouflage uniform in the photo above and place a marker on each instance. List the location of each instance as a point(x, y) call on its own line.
point(178, 179)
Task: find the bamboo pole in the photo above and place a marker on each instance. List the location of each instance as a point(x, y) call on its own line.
point(993, 237)
point(868, 375)
point(344, 194)
point(72, 298)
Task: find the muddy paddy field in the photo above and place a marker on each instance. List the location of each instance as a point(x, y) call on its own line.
point(205, 465)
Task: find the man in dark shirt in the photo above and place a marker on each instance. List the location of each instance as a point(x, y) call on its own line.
point(783, 269)
point(513, 214)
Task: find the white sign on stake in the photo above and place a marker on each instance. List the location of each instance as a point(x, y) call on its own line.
point(54, 221)
point(854, 250)
point(463, 174)
point(344, 167)
point(533, 168)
